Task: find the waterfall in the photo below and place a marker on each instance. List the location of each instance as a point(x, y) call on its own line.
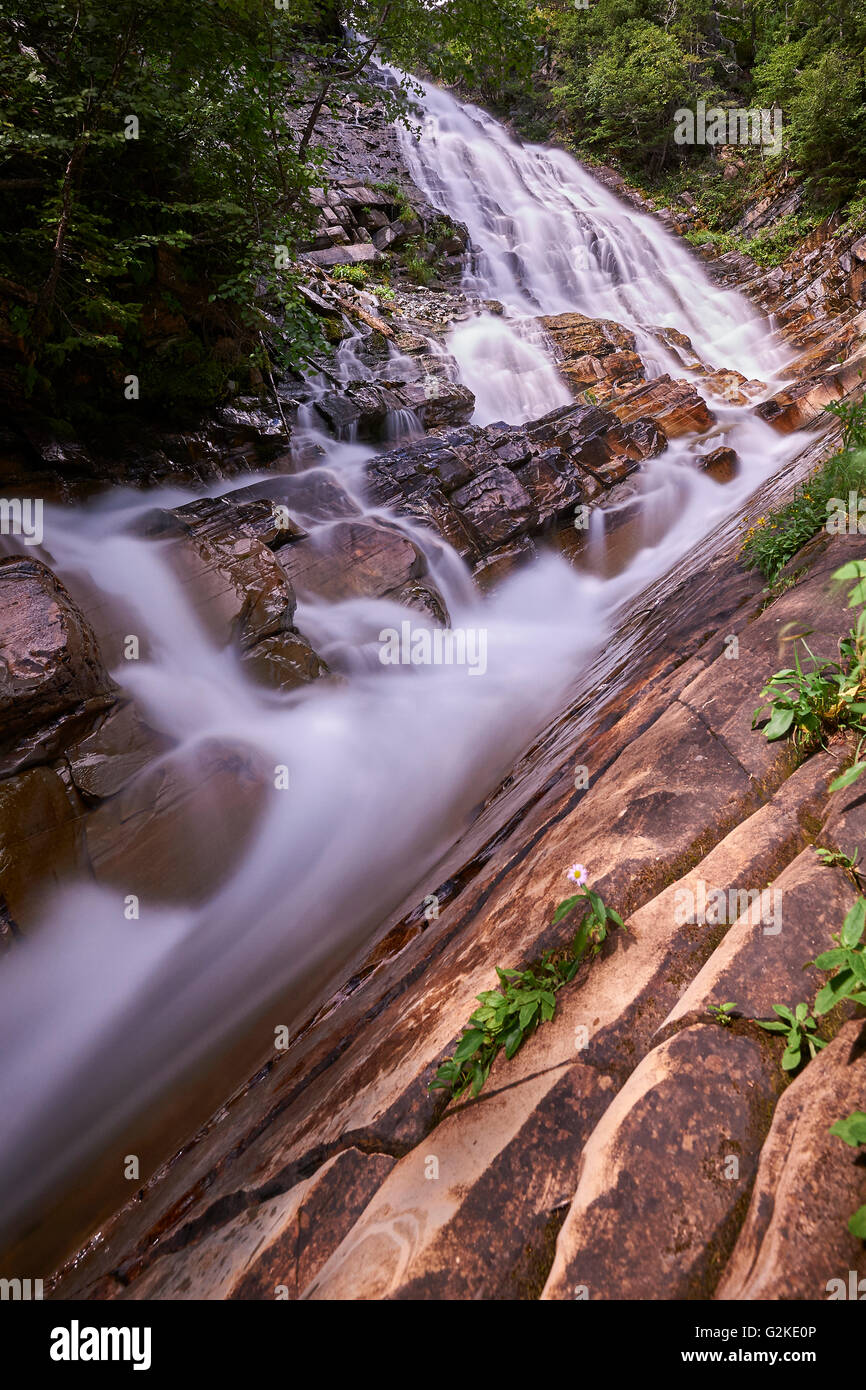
point(98, 1015)
point(549, 238)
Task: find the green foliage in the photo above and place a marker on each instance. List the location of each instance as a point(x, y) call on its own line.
point(510, 1014)
point(806, 704)
point(352, 274)
point(847, 961)
point(152, 147)
point(609, 78)
point(853, 1130)
point(852, 415)
point(832, 695)
point(837, 859)
point(418, 257)
point(772, 540)
point(772, 245)
point(722, 1013)
point(626, 96)
point(799, 1030)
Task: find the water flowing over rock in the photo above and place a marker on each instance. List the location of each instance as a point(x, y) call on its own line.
point(347, 858)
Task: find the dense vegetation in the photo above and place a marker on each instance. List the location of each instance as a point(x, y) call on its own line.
point(612, 75)
point(154, 158)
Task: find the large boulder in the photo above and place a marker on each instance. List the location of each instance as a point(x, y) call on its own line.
point(593, 350)
point(52, 680)
point(223, 551)
point(181, 828)
point(675, 406)
point(373, 410)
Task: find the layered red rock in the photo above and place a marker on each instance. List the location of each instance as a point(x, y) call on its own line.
point(592, 351)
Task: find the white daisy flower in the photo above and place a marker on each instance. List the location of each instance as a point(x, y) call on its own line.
point(577, 874)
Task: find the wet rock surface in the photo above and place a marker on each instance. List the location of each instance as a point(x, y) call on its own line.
point(541, 1184)
point(484, 489)
point(51, 672)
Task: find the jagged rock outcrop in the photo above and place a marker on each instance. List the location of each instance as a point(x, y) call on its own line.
point(818, 300)
point(593, 350)
point(490, 492)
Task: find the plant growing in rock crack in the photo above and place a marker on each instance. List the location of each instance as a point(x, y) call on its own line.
point(807, 704)
point(510, 1014)
point(352, 274)
point(771, 541)
point(853, 1132)
point(852, 417)
point(847, 959)
point(722, 1013)
point(837, 859)
point(799, 1028)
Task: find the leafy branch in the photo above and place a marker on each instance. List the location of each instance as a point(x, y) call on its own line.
point(510, 1014)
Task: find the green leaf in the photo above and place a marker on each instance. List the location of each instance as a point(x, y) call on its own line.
point(468, 1045)
point(528, 1012)
point(852, 570)
point(857, 1224)
point(512, 1040)
point(852, 1130)
point(780, 722)
point(838, 988)
point(565, 907)
point(848, 777)
point(829, 960)
point(792, 1055)
point(852, 927)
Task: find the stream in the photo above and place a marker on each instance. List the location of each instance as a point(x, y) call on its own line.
point(386, 769)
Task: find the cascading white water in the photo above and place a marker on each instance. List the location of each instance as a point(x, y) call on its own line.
point(97, 1014)
point(550, 238)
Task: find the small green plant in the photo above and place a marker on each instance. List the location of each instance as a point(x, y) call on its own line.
point(722, 1013)
point(510, 1014)
point(768, 247)
point(803, 704)
point(852, 415)
point(352, 274)
point(848, 961)
point(836, 859)
point(771, 540)
point(806, 704)
point(853, 1132)
point(799, 1028)
point(384, 293)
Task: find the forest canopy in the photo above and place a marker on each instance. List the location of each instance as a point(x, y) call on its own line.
point(149, 143)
